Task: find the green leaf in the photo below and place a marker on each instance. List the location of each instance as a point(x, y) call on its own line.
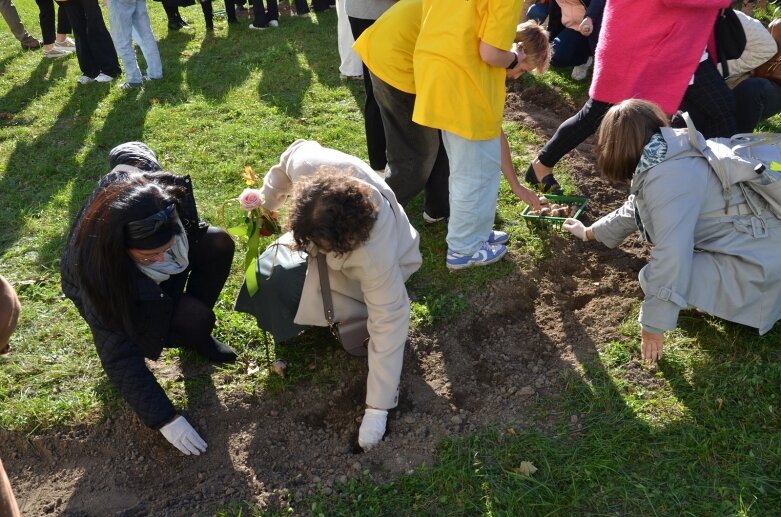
point(252, 247)
point(238, 231)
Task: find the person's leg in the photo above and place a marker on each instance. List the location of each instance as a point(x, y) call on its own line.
point(210, 261)
point(99, 39)
point(755, 100)
point(710, 102)
point(260, 21)
point(320, 5)
point(46, 19)
point(375, 134)
point(474, 189)
point(230, 11)
point(120, 17)
point(11, 17)
point(437, 204)
point(537, 12)
point(63, 25)
point(78, 21)
point(191, 327)
point(571, 133)
point(411, 148)
point(272, 10)
point(145, 38)
point(302, 7)
point(208, 13)
point(570, 48)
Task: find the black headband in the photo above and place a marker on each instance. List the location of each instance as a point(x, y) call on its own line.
point(153, 231)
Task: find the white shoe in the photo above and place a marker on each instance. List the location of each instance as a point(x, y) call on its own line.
point(84, 79)
point(431, 220)
point(252, 26)
point(103, 78)
point(68, 45)
point(55, 52)
point(581, 71)
point(273, 24)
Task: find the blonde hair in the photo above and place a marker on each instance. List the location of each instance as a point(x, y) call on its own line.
point(625, 130)
point(535, 41)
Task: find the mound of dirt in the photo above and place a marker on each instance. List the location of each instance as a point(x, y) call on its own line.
point(523, 335)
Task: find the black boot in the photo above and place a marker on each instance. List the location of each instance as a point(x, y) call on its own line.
point(215, 351)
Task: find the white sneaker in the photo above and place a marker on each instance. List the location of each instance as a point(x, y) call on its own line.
point(252, 26)
point(273, 23)
point(55, 52)
point(103, 78)
point(84, 79)
point(68, 45)
point(581, 71)
point(431, 220)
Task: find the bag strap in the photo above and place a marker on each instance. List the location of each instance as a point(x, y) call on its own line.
point(715, 162)
point(325, 289)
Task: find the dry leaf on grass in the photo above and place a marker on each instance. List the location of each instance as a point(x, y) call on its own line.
point(526, 468)
point(279, 367)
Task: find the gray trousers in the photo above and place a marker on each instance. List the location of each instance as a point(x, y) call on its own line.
point(417, 159)
point(11, 16)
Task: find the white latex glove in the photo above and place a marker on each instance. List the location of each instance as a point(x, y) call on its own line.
point(372, 428)
point(182, 436)
point(576, 228)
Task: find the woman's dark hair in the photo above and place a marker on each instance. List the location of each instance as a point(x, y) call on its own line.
point(331, 207)
point(625, 130)
point(103, 266)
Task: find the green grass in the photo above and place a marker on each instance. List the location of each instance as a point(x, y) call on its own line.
point(697, 436)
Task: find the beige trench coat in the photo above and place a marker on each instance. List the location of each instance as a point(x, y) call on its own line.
point(367, 281)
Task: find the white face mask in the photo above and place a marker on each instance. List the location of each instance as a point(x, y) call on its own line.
point(175, 260)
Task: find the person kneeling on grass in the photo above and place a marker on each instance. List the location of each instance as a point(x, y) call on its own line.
point(9, 316)
point(723, 262)
point(145, 272)
point(342, 210)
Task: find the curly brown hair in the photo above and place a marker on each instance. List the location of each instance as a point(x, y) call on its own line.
point(331, 210)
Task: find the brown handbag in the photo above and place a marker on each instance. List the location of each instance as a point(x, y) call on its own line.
point(352, 334)
point(772, 68)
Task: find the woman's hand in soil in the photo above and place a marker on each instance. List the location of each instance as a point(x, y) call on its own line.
point(182, 436)
point(652, 346)
point(576, 228)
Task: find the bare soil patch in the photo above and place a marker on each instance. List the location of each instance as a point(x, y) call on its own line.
point(521, 337)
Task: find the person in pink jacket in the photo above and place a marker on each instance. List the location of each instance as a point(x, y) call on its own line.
point(652, 50)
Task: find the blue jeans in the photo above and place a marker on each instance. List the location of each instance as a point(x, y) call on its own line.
point(538, 13)
point(474, 189)
point(570, 48)
point(755, 100)
point(129, 21)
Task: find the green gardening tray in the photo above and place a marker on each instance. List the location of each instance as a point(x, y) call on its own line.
point(554, 222)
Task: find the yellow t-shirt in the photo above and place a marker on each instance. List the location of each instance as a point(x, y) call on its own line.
point(386, 47)
point(456, 90)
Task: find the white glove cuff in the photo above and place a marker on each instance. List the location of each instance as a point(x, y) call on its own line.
point(372, 428)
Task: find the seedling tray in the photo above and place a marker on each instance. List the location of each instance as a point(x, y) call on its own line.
point(554, 222)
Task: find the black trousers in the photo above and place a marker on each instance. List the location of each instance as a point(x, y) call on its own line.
point(210, 261)
point(94, 46)
point(46, 19)
point(172, 11)
point(263, 16)
point(375, 134)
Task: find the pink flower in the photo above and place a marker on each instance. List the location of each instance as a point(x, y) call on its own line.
point(250, 199)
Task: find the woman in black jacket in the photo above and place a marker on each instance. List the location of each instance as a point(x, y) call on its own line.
point(145, 273)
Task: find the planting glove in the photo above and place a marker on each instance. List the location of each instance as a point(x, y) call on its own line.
point(576, 228)
point(182, 436)
point(372, 428)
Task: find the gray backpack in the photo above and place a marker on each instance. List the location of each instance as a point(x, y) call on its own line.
point(748, 161)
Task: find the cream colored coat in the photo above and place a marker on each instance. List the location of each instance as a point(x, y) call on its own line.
point(367, 281)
